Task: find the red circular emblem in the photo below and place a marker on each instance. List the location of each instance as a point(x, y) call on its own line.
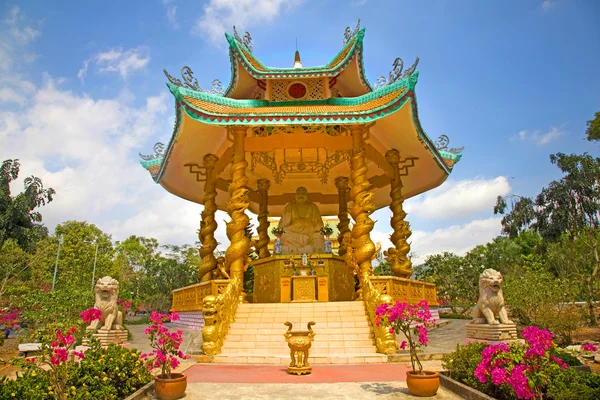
point(297, 91)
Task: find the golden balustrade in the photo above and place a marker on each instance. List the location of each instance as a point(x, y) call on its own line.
point(190, 298)
point(405, 290)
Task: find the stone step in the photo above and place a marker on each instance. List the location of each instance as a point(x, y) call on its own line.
point(321, 337)
point(283, 344)
point(332, 351)
point(339, 325)
point(347, 358)
point(363, 327)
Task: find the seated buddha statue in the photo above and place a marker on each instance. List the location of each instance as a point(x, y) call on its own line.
point(301, 222)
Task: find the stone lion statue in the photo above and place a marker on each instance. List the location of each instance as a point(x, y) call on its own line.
point(107, 293)
point(491, 300)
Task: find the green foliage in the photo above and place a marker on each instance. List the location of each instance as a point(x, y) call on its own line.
point(383, 269)
point(568, 358)
point(461, 365)
point(107, 373)
point(29, 385)
point(456, 278)
point(19, 219)
point(537, 298)
point(593, 128)
point(43, 312)
point(113, 372)
point(572, 384)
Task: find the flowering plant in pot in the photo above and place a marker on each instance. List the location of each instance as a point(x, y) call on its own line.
point(165, 356)
point(412, 320)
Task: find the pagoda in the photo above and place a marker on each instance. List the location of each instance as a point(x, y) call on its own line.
point(279, 140)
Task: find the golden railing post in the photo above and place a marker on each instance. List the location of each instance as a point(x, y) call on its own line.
point(401, 265)
point(237, 252)
point(208, 225)
point(364, 248)
point(341, 183)
point(262, 246)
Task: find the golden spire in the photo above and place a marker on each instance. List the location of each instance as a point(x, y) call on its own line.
point(297, 62)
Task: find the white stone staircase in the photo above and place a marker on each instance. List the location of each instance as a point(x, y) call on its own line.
point(343, 334)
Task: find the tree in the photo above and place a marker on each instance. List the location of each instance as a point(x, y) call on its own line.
point(13, 265)
point(77, 253)
point(593, 128)
point(456, 278)
point(569, 206)
point(18, 218)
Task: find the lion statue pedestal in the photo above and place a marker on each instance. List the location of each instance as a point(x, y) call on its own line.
point(490, 320)
point(111, 323)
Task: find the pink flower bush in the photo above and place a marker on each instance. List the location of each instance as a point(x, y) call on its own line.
point(165, 344)
point(588, 347)
point(90, 315)
point(410, 319)
point(126, 304)
point(525, 368)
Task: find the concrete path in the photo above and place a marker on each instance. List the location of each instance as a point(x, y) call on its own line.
point(300, 391)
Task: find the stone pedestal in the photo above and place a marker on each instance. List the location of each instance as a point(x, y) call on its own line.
point(487, 332)
point(112, 336)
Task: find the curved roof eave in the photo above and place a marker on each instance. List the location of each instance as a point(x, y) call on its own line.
point(387, 109)
point(353, 47)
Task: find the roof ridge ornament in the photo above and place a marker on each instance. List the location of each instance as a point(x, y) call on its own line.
point(190, 82)
point(159, 151)
point(348, 34)
point(442, 145)
point(246, 41)
point(396, 73)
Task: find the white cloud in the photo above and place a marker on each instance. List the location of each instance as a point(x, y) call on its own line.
point(19, 27)
point(123, 62)
point(457, 199)
point(86, 149)
point(539, 138)
point(547, 5)
point(16, 33)
point(172, 17)
point(457, 239)
point(220, 15)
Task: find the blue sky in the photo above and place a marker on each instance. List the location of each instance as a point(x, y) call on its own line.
point(82, 92)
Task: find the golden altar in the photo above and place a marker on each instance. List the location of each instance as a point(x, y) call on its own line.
point(271, 285)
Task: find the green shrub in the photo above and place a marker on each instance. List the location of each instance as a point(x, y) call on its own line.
point(568, 358)
point(572, 384)
point(29, 385)
point(461, 365)
point(107, 373)
point(113, 372)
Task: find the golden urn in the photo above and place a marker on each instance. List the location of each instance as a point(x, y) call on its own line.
point(299, 343)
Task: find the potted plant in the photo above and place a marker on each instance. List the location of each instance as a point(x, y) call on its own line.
point(165, 355)
point(412, 320)
point(588, 350)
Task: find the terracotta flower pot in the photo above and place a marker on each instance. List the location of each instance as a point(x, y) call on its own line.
point(423, 385)
point(170, 388)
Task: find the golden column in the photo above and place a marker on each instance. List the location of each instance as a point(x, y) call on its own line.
point(341, 183)
point(208, 225)
point(237, 252)
point(398, 255)
point(262, 246)
point(364, 248)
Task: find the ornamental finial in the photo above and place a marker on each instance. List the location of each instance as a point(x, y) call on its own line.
point(349, 34)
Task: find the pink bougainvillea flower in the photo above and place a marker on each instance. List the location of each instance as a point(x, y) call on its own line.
point(589, 347)
point(90, 315)
point(403, 345)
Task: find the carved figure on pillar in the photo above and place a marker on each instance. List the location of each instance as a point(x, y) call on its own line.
point(208, 225)
point(301, 222)
point(401, 265)
point(263, 223)
point(238, 203)
point(341, 183)
point(364, 248)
